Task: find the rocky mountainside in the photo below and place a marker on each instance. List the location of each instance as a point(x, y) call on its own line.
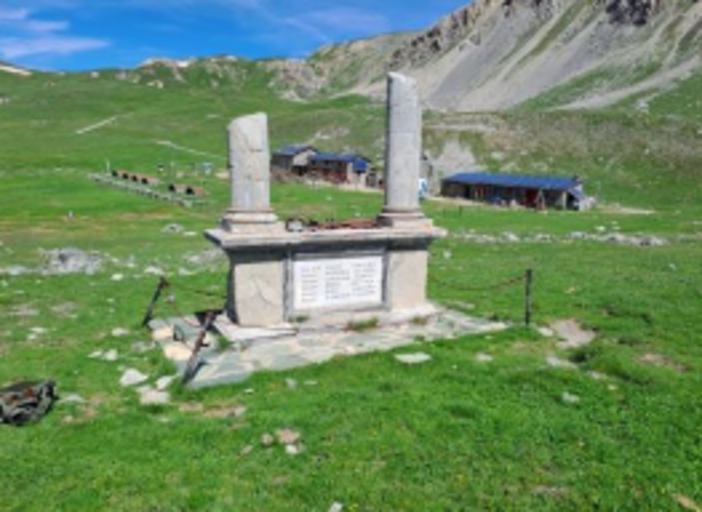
point(490, 55)
point(495, 54)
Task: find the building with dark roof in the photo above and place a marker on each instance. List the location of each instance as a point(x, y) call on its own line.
point(339, 168)
point(538, 192)
point(292, 158)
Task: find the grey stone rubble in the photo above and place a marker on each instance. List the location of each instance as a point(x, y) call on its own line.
point(572, 334)
point(569, 398)
point(206, 258)
point(61, 262)
point(164, 383)
point(316, 341)
point(110, 356)
point(151, 396)
point(132, 377)
point(175, 229)
point(638, 240)
point(412, 359)
point(71, 261)
point(556, 362)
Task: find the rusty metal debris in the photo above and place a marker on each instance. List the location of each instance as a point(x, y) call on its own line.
point(194, 362)
point(301, 225)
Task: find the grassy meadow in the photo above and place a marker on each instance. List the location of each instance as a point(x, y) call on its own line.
point(452, 434)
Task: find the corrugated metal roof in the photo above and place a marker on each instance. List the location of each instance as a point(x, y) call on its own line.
point(513, 181)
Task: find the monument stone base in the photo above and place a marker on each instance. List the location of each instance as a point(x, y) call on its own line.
point(282, 277)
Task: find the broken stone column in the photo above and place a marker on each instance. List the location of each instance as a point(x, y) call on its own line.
point(249, 162)
point(403, 153)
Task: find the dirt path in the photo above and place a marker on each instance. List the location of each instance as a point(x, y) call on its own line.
point(177, 147)
point(659, 83)
point(97, 126)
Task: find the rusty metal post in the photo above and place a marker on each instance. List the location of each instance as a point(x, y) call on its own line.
point(528, 286)
point(162, 285)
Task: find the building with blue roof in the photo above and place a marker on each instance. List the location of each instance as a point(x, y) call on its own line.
point(293, 158)
point(538, 192)
point(340, 167)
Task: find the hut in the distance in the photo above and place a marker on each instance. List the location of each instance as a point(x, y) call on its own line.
point(539, 192)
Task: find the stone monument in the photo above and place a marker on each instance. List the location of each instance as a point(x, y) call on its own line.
point(278, 276)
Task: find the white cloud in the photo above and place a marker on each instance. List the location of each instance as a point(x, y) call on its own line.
point(54, 45)
point(46, 26)
point(23, 35)
point(13, 14)
point(328, 24)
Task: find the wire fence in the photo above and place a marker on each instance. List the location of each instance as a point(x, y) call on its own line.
point(464, 288)
point(526, 280)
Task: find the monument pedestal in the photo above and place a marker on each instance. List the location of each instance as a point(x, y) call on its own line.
point(276, 278)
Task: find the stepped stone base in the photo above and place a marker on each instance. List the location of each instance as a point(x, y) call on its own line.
point(317, 340)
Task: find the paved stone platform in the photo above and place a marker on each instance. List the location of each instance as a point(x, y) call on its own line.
point(235, 354)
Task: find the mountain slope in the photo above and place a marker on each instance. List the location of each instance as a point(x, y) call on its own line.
point(496, 54)
point(491, 55)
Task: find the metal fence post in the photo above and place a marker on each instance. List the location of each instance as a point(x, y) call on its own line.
point(528, 285)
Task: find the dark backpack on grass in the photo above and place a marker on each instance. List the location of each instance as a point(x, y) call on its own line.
point(26, 402)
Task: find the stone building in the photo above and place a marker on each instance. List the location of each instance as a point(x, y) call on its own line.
point(294, 158)
point(537, 192)
point(339, 168)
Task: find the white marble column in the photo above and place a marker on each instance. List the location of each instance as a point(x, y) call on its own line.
point(249, 162)
point(403, 152)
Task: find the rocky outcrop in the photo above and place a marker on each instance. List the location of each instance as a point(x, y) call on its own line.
point(496, 54)
point(443, 36)
point(466, 23)
point(631, 12)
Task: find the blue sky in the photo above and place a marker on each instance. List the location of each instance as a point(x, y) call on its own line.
point(88, 34)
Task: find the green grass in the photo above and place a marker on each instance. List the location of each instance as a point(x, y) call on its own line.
point(453, 434)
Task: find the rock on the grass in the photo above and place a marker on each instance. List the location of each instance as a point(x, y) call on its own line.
point(293, 449)
point(484, 358)
point(162, 334)
point(14, 271)
point(98, 354)
point(556, 362)
point(569, 398)
point(175, 229)
point(132, 377)
point(150, 396)
point(209, 257)
point(110, 356)
point(117, 277)
point(417, 358)
point(336, 507)
point(164, 383)
point(120, 332)
point(287, 436)
point(71, 261)
point(546, 332)
point(573, 334)
point(154, 271)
